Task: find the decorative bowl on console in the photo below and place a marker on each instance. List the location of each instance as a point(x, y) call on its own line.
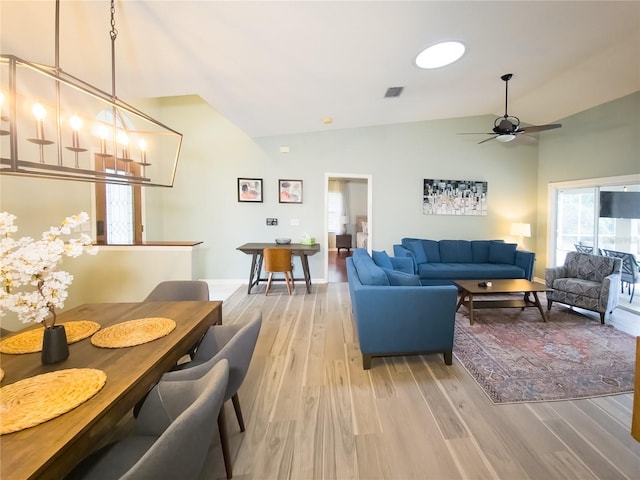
point(283, 241)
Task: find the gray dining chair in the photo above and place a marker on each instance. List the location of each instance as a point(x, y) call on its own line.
point(179, 290)
point(171, 436)
point(236, 344)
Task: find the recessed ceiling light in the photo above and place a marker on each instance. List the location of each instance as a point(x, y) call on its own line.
point(327, 120)
point(440, 54)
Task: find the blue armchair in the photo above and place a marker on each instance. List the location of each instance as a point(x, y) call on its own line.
point(399, 318)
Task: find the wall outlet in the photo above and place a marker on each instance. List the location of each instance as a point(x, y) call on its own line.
point(272, 221)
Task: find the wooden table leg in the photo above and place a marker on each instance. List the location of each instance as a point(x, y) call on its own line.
point(470, 308)
point(539, 305)
point(256, 267)
point(304, 260)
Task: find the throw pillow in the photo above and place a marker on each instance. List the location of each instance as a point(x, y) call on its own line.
point(401, 279)
point(418, 252)
point(381, 258)
point(502, 253)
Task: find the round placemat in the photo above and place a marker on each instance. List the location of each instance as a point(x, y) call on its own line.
point(133, 332)
point(35, 400)
point(31, 340)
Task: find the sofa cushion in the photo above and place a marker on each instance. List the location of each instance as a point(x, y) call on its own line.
point(418, 251)
point(368, 272)
point(579, 287)
point(402, 279)
point(381, 258)
point(455, 251)
point(589, 267)
point(468, 271)
point(432, 250)
point(502, 253)
point(480, 251)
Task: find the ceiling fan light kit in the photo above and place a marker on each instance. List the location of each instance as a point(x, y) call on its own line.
point(507, 128)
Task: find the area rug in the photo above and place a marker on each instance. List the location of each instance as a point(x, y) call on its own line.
point(515, 357)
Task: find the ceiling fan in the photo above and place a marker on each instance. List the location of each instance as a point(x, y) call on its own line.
point(507, 127)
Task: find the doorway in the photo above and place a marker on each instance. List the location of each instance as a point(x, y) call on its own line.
point(348, 220)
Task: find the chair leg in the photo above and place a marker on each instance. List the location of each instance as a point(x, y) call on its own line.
point(633, 290)
point(549, 302)
point(224, 442)
point(236, 407)
point(268, 283)
point(602, 318)
point(287, 280)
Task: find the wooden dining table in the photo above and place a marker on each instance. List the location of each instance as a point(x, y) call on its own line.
point(52, 449)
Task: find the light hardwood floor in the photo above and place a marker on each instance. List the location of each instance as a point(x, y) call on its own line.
point(311, 412)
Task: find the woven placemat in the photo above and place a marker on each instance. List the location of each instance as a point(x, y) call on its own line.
point(31, 340)
point(35, 400)
point(133, 332)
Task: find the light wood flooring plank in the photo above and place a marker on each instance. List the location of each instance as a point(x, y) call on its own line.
point(308, 450)
point(365, 413)
point(339, 439)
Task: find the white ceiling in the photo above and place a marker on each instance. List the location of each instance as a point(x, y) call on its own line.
point(281, 67)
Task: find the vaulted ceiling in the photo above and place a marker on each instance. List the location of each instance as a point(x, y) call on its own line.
point(281, 67)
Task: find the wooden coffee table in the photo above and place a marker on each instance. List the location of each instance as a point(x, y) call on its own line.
point(470, 288)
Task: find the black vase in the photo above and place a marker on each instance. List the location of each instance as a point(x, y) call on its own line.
point(54, 345)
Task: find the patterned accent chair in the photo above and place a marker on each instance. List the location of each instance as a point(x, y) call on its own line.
point(586, 281)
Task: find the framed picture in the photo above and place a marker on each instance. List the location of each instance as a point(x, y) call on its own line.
point(454, 197)
point(249, 189)
point(290, 191)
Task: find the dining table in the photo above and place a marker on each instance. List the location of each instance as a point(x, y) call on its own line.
point(52, 449)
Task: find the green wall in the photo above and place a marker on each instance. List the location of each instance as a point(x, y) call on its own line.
point(203, 204)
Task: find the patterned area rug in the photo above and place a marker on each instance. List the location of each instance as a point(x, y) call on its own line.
point(515, 357)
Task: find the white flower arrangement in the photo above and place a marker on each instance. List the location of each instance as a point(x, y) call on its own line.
point(30, 284)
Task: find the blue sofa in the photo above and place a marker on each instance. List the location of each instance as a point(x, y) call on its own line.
point(441, 262)
point(394, 314)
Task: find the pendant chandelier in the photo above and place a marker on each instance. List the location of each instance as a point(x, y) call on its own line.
point(54, 125)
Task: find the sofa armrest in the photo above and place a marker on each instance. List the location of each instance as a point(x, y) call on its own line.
point(401, 252)
point(526, 260)
point(402, 264)
point(551, 273)
point(609, 291)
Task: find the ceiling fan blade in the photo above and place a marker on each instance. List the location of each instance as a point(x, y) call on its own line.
point(540, 128)
point(486, 140)
point(475, 133)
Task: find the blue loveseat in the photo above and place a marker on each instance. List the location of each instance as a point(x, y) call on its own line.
point(394, 314)
point(441, 262)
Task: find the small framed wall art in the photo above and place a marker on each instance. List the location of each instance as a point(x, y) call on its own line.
point(249, 189)
point(290, 191)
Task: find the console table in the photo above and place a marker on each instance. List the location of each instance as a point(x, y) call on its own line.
point(299, 249)
point(344, 241)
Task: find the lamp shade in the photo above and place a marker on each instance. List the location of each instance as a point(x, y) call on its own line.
point(344, 219)
point(520, 229)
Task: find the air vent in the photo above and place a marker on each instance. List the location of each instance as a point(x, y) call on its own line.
point(393, 92)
